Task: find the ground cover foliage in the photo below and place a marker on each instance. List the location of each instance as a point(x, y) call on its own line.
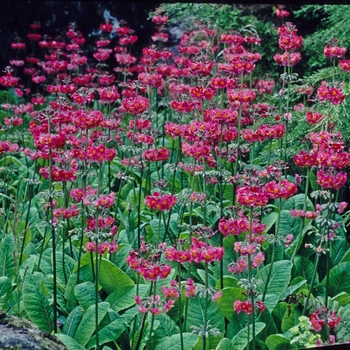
point(192, 198)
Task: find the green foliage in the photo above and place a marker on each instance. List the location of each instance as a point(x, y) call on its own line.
point(7, 261)
point(87, 325)
point(331, 23)
point(240, 340)
point(339, 279)
point(36, 302)
point(173, 342)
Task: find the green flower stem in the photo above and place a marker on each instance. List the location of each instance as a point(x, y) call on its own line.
point(53, 238)
point(139, 210)
point(152, 317)
point(141, 331)
point(159, 224)
point(100, 173)
point(180, 305)
point(273, 248)
point(328, 252)
point(239, 127)
point(270, 151)
point(27, 219)
point(189, 265)
point(81, 240)
point(221, 206)
point(205, 325)
point(317, 259)
point(250, 278)
point(96, 291)
point(303, 219)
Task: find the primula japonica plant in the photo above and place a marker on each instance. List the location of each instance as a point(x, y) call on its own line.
point(165, 202)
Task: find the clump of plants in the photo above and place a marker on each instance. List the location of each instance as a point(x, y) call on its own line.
point(174, 200)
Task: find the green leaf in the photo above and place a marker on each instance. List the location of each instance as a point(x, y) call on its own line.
point(269, 220)
point(110, 276)
point(228, 297)
point(211, 279)
point(279, 278)
point(225, 344)
point(86, 294)
point(228, 192)
point(278, 314)
point(69, 342)
point(72, 321)
point(124, 297)
point(342, 298)
point(154, 223)
point(228, 282)
point(278, 342)
point(339, 279)
point(240, 340)
point(174, 342)
point(174, 224)
point(297, 202)
point(291, 289)
point(7, 261)
point(343, 329)
point(339, 247)
point(113, 330)
point(346, 256)
point(64, 266)
point(270, 326)
point(305, 268)
point(167, 327)
point(290, 317)
point(288, 224)
point(36, 302)
point(87, 325)
point(197, 309)
point(271, 301)
point(5, 291)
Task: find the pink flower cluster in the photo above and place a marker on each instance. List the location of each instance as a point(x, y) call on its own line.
point(147, 268)
point(156, 155)
point(153, 304)
point(332, 94)
point(102, 248)
point(197, 252)
point(323, 316)
point(281, 189)
point(160, 202)
point(246, 306)
point(239, 225)
point(331, 179)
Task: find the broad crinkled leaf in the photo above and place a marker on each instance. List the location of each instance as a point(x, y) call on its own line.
point(86, 327)
point(225, 344)
point(85, 294)
point(7, 261)
point(36, 303)
point(72, 321)
point(339, 279)
point(69, 342)
point(5, 291)
point(305, 268)
point(278, 342)
point(124, 297)
point(279, 278)
point(241, 338)
point(174, 342)
point(113, 330)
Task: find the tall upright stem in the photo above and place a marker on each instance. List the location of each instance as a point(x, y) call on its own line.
point(53, 238)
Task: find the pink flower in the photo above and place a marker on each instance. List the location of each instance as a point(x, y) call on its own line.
point(258, 259)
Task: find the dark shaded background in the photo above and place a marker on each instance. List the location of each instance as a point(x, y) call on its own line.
point(55, 16)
